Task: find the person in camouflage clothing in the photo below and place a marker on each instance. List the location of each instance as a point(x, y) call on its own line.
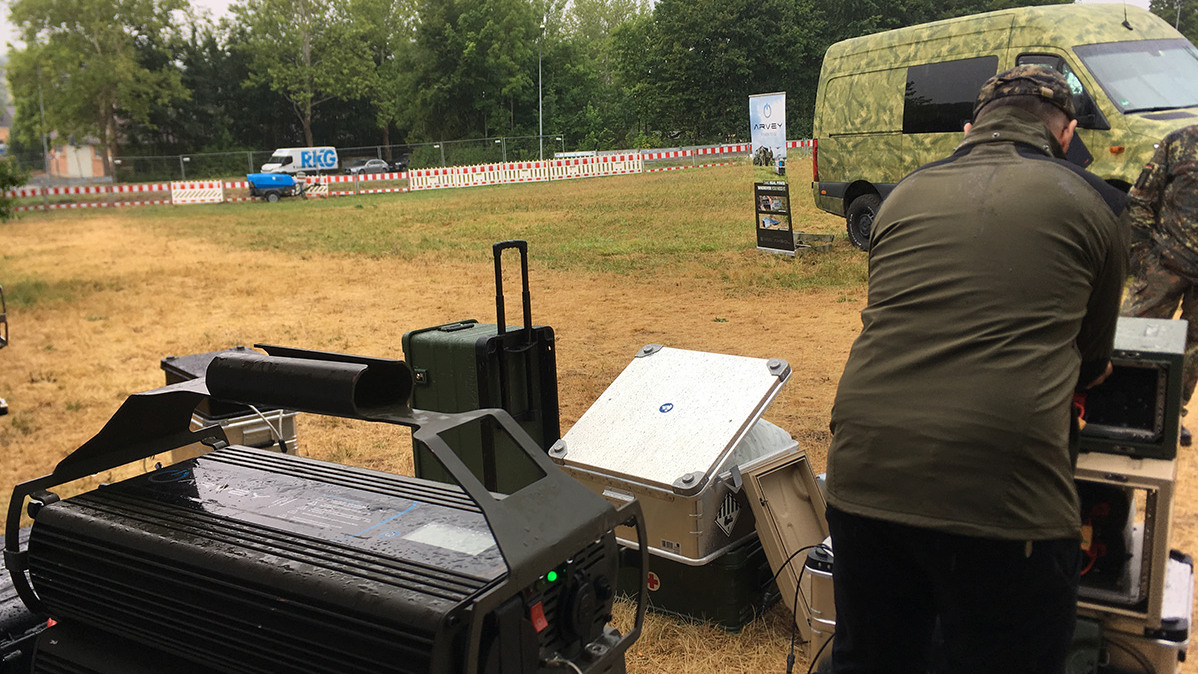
point(1163, 213)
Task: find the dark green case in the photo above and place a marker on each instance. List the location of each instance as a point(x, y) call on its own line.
point(729, 591)
point(467, 365)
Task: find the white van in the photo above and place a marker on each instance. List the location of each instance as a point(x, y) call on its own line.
point(302, 161)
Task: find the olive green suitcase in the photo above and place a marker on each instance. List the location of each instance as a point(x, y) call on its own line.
point(468, 365)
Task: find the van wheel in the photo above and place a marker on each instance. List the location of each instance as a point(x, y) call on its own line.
point(272, 197)
point(860, 219)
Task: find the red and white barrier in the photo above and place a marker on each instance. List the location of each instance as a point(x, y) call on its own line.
point(683, 154)
point(602, 165)
point(189, 192)
point(193, 192)
point(682, 168)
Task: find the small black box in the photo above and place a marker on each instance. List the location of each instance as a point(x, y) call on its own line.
point(1137, 410)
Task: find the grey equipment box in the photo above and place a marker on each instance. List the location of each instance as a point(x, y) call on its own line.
point(1137, 410)
point(674, 431)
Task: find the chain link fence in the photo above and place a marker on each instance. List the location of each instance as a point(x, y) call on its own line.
point(235, 165)
point(224, 165)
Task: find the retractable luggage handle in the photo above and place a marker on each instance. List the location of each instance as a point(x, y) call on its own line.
point(501, 320)
point(525, 298)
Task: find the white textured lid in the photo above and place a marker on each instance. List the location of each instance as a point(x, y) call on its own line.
point(671, 415)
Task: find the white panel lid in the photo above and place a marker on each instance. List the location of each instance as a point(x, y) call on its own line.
point(672, 416)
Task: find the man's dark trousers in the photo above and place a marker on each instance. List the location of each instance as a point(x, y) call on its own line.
point(892, 582)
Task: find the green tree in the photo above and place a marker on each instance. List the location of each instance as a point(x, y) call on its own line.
point(708, 56)
point(583, 91)
point(11, 177)
point(473, 69)
point(592, 23)
point(309, 51)
point(634, 75)
point(389, 28)
point(95, 64)
point(1181, 14)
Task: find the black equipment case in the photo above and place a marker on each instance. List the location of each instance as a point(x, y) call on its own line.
point(19, 627)
point(249, 561)
point(1137, 410)
point(467, 365)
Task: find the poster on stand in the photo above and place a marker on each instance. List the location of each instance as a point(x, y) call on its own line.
point(767, 129)
point(771, 194)
point(774, 232)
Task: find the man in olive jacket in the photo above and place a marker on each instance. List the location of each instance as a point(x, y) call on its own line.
point(994, 284)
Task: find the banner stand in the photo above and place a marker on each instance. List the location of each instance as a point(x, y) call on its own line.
point(767, 125)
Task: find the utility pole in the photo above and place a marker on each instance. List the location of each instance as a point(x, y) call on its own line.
point(41, 104)
point(540, 107)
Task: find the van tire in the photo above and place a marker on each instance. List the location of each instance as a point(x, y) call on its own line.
point(272, 197)
point(859, 218)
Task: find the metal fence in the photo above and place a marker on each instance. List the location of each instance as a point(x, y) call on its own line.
point(217, 165)
point(128, 169)
point(102, 193)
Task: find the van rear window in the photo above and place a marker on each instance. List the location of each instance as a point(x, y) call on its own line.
point(1144, 75)
point(940, 96)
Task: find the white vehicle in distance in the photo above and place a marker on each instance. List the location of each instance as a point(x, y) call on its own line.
point(302, 161)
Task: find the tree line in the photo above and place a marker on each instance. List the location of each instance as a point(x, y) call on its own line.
point(156, 77)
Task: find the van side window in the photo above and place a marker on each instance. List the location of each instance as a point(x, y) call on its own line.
point(1056, 63)
point(1088, 115)
point(940, 96)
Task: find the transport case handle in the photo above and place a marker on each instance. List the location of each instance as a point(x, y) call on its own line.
point(525, 299)
point(501, 320)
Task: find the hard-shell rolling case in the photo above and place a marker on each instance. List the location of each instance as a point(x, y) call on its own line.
point(467, 365)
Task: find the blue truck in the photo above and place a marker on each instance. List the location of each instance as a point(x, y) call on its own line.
point(274, 186)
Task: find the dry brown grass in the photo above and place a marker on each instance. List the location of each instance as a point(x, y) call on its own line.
point(119, 295)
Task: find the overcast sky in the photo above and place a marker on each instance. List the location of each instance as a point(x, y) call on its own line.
point(220, 8)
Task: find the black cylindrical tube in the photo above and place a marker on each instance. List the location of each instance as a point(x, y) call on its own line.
point(308, 385)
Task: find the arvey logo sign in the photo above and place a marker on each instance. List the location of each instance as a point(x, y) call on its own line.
point(766, 124)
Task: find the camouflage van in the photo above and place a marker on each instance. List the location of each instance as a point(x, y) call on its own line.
point(891, 102)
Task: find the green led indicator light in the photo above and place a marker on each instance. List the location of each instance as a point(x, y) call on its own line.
point(551, 576)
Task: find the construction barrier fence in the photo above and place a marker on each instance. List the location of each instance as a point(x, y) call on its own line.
point(565, 167)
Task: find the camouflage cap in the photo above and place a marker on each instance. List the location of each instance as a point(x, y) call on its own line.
point(1027, 80)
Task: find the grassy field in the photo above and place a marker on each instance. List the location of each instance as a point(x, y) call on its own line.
point(697, 221)
point(97, 298)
